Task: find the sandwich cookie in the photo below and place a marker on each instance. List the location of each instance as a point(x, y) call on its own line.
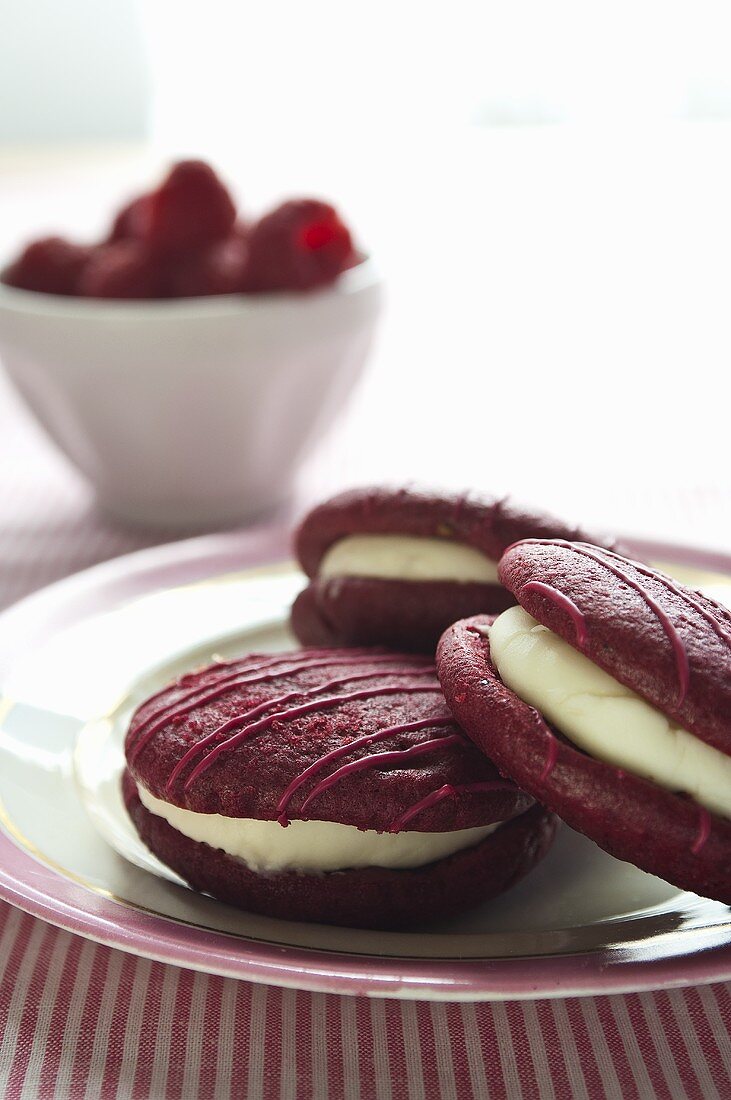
point(606, 694)
point(326, 785)
point(397, 566)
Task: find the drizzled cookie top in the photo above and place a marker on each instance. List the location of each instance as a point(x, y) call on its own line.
point(667, 642)
point(361, 737)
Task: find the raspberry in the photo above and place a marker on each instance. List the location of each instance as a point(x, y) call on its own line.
point(50, 265)
point(123, 270)
point(217, 270)
point(190, 209)
point(299, 245)
point(126, 224)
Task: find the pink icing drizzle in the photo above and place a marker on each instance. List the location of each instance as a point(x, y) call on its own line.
point(551, 757)
point(711, 619)
point(271, 660)
point(287, 716)
point(209, 692)
point(447, 791)
point(238, 720)
point(443, 719)
point(378, 759)
point(216, 665)
point(704, 830)
point(562, 601)
point(676, 642)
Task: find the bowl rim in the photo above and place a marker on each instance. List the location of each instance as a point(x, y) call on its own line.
point(361, 278)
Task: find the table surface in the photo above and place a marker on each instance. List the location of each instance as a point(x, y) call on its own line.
point(464, 391)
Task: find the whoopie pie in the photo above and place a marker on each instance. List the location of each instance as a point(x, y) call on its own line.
point(396, 567)
point(606, 694)
point(327, 785)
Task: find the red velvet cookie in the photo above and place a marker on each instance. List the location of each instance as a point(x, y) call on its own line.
point(671, 646)
point(273, 746)
point(408, 612)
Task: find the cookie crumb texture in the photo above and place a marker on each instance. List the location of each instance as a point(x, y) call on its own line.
point(665, 641)
point(634, 819)
point(407, 614)
point(359, 738)
point(373, 897)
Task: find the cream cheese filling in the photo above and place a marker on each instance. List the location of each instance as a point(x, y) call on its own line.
point(407, 557)
point(603, 717)
point(311, 846)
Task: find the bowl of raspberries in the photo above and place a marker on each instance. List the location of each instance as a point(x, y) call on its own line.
point(187, 363)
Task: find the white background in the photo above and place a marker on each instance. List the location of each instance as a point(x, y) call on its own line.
point(547, 189)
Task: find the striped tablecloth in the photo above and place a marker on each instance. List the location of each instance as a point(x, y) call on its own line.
point(81, 1020)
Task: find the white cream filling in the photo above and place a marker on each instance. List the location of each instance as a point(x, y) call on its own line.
point(311, 846)
point(602, 716)
point(407, 557)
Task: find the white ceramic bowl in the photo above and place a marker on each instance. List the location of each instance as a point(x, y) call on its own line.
point(190, 412)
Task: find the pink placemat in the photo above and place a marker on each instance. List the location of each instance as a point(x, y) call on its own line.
point(81, 1020)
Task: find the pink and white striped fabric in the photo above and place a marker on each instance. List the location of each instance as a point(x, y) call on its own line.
point(79, 1020)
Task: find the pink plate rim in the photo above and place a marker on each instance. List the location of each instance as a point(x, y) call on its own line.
point(45, 893)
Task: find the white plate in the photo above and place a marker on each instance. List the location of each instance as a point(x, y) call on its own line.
point(77, 658)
